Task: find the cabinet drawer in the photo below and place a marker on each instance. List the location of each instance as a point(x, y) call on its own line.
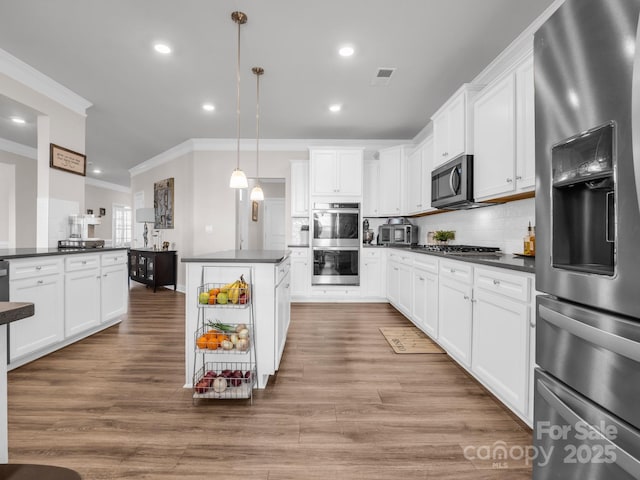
point(114, 258)
point(34, 267)
point(370, 252)
point(73, 263)
point(335, 291)
point(282, 269)
point(503, 283)
point(426, 262)
point(400, 256)
point(299, 253)
point(460, 271)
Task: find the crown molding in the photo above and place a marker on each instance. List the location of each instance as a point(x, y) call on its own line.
point(18, 149)
point(266, 145)
point(25, 74)
point(109, 186)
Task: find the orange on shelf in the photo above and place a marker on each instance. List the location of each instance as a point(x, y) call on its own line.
point(202, 341)
point(214, 292)
point(212, 300)
point(212, 341)
point(222, 337)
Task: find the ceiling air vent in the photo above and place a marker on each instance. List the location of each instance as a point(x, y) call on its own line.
point(382, 76)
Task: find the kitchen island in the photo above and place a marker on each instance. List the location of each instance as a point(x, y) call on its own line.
point(76, 292)
point(267, 272)
point(9, 312)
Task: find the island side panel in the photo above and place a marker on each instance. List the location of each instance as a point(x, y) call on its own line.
point(263, 293)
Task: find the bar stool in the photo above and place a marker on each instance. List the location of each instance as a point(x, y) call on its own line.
point(18, 471)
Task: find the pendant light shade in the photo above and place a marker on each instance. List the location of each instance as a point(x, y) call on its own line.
point(238, 178)
point(257, 195)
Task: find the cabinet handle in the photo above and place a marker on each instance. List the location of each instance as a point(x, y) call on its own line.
point(40, 282)
point(98, 277)
point(395, 268)
point(509, 180)
point(287, 285)
point(496, 282)
point(466, 298)
point(452, 270)
point(518, 177)
point(532, 324)
point(421, 279)
point(84, 262)
point(38, 267)
point(104, 275)
point(419, 205)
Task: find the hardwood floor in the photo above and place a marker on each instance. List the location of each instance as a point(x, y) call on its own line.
point(342, 406)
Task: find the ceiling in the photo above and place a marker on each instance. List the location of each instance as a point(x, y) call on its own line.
point(145, 103)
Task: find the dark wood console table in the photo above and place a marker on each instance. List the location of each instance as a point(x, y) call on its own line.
point(154, 268)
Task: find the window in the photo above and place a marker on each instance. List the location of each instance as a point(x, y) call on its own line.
point(121, 226)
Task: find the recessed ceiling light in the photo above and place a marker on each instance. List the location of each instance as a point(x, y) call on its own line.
point(18, 120)
point(209, 107)
point(97, 170)
point(346, 51)
point(335, 108)
point(162, 48)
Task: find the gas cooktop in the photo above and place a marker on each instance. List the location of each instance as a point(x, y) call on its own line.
point(460, 249)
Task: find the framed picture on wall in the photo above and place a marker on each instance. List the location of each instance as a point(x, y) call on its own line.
point(67, 160)
point(163, 203)
point(103, 212)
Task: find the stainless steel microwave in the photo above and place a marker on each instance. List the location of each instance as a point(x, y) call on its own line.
point(452, 185)
point(398, 234)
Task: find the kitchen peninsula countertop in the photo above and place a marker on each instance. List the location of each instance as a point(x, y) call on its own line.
point(240, 256)
point(13, 311)
point(502, 260)
point(8, 254)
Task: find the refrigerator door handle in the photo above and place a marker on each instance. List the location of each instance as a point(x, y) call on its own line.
point(625, 461)
point(614, 343)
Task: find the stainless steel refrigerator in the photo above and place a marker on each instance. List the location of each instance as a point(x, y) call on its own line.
point(587, 101)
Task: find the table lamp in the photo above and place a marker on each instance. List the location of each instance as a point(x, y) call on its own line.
point(145, 215)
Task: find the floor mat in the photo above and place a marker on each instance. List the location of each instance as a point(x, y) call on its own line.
point(409, 340)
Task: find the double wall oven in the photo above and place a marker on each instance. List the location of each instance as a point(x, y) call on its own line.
point(335, 242)
point(587, 386)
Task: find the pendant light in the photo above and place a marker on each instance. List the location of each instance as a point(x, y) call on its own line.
point(238, 178)
point(257, 195)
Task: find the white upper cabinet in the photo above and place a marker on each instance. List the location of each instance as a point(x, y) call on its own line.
point(418, 178)
point(452, 125)
point(370, 189)
point(299, 188)
point(336, 172)
point(504, 162)
point(390, 186)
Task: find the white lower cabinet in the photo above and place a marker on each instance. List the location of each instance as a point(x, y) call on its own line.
point(455, 319)
point(283, 314)
point(73, 294)
point(399, 281)
point(300, 273)
point(82, 301)
point(500, 346)
point(46, 326)
point(424, 309)
point(372, 284)
point(113, 292)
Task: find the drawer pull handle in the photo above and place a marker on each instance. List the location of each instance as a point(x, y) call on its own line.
point(496, 282)
point(84, 262)
point(38, 267)
point(452, 270)
point(466, 297)
point(518, 177)
point(40, 282)
point(509, 180)
point(421, 279)
point(98, 277)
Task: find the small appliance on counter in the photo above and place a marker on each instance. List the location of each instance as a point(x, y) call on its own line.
point(398, 231)
point(304, 234)
point(367, 233)
point(79, 233)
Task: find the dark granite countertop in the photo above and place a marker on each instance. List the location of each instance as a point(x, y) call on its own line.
point(502, 260)
point(240, 256)
point(8, 254)
point(13, 311)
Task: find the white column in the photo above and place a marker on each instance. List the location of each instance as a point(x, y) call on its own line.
point(42, 184)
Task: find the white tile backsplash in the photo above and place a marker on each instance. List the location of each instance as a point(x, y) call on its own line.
point(296, 236)
point(502, 226)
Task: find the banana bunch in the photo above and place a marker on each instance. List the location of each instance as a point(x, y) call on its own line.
point(236, 289)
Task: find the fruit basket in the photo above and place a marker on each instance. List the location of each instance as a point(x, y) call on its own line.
point(224, 295)
point(234, 339)
point(222, 380)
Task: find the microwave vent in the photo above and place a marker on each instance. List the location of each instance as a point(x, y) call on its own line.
point(383, 76)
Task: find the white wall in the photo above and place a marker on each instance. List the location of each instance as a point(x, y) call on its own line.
point(25, 197)
point(99, 197)
point(65, 128)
